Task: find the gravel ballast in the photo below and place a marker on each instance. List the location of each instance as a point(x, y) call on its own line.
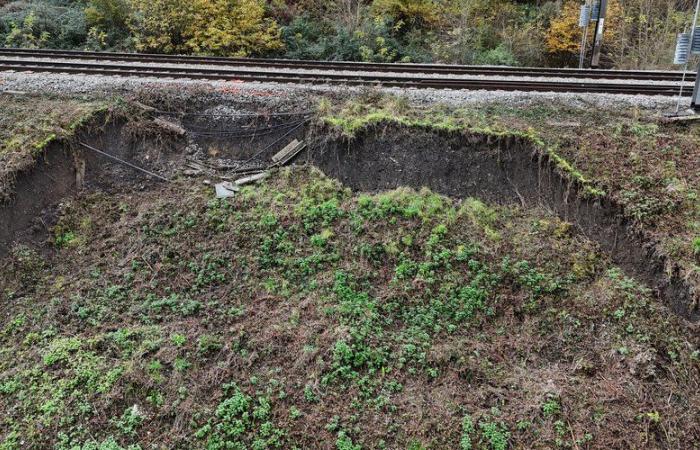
point(99, 86)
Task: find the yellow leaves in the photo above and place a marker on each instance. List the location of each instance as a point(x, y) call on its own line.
point(411, 12)
point(217, 27)
point(564, 35)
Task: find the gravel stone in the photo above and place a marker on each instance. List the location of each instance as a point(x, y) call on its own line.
point(284, 95)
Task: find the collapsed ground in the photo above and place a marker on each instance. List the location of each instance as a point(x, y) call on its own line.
point(301, 314)
point(28, 124)
point(647, 165)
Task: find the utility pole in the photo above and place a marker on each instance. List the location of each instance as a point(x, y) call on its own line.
point(598, 40)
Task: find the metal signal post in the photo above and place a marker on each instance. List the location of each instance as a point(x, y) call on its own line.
point(598, 39)
point(695, 102)
point(583, 22)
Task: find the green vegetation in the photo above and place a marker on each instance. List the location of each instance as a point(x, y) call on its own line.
point(216, 27)
point(531, 32)
point(465, 442)
point(297, 314)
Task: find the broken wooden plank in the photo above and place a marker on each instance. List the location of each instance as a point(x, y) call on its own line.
point(252, 178)
point(197, 165)
point(144, 107)
point(290, 151)
point(292, 155)
point(683, 118)
point(246, 171)
point(285, 151)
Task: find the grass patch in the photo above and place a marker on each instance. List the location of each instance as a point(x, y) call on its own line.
point(30, 123)
point(298, 306)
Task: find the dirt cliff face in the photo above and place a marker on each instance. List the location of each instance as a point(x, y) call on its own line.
point(506, 170)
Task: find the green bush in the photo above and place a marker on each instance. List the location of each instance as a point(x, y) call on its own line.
point(303, 39)
point(42, 24)
point(499, 56)
point(375, 39)
point(108, 24)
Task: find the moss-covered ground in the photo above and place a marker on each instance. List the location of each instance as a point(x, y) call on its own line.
point(29, 123)
point(300, 315)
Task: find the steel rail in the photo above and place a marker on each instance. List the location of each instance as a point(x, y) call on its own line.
point(350, 66)
point(332, 78)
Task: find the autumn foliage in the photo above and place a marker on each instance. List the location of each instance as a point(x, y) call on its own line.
point(217, 27)
point(564, 34)
point(639, 33)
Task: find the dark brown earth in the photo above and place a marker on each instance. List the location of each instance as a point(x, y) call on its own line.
point(503, 171)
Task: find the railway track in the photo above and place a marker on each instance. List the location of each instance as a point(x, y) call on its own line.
point(354, 66)
point(232, 69)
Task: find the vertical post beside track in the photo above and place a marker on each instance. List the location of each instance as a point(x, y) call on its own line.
point(598, 39)
point(695, 101)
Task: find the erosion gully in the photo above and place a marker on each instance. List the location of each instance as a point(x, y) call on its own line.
point(503, 170)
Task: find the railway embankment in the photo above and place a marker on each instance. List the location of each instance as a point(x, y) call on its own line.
point(515, 259)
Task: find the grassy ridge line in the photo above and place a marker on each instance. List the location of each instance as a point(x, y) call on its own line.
point(29, 125)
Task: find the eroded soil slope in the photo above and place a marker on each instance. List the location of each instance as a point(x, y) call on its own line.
point(28, 124)
point(648, 166)
point(298, 314)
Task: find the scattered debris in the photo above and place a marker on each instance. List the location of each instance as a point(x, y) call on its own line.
point(287, 153)
point(193, 150)
point(194, 168)
point(682, 118)
point(197, 167)
point(198, 164)
point(226, 189)
point(252, 178)
point(144, 107)
point(569, 124)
